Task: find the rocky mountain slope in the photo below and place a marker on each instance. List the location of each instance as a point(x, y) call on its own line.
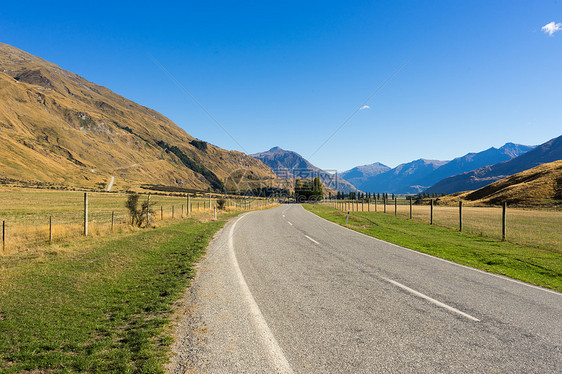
point(58, 128)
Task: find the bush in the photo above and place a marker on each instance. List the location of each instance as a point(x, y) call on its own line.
point(221, 204)
point(138, 215)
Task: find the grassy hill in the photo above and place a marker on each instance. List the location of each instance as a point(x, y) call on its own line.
point(58, 128)
point(541, 185)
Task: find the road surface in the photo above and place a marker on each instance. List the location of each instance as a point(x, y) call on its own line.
point(284, 291)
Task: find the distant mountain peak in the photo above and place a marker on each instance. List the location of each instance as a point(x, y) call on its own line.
point(276, 148)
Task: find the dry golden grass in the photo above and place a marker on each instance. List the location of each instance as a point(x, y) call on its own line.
point(26, 213)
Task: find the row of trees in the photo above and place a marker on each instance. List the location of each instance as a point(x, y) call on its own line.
point(368, 196)
point(308, 190)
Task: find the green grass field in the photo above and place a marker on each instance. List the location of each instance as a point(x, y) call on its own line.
point(97, 305)
point(538, 266)
point(539, 228)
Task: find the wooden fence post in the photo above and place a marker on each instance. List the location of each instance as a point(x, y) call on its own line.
point(161, 212)
point(395, 206)
point(112, 221)
point(410, 207)
point(431, 214)
point(50, 229)
point(504, 220)
point(384, 201)
point(376, 204)
point(188, 205)
point(3, 236)
point(460, 215)
point(148, 211)
point(172, 212)
point(85, 214)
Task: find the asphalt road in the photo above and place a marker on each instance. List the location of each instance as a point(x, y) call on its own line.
point(284, 291)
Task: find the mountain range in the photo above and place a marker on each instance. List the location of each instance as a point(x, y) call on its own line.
point(418, 175)
point(58, 128)
point(289, 165)
point(541, 185)
point(475, 179)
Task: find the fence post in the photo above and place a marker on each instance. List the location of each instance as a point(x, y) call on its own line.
point(85, 214)
point(188, 205)
point(50, 229)
point(112, 220)
point(148, 211)
point(384, 201)
point(395, 207)
point(431, 214)
point(376, 204)
point(215, 208)
point(172, 212)
point(410, 207)
point(3, 236)
point(504, 220)
point(182, 211)
point(161, 212)
point(460, 215)
point(347, 218)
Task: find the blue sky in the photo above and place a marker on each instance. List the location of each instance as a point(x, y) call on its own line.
point(288, 73)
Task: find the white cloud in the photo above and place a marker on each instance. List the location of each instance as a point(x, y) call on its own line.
point(551, 28)
point(365, 107)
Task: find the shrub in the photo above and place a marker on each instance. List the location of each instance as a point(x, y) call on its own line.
point(138, 215)
point(221, 204)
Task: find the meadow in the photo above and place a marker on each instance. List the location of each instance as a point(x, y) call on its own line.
point(32, 217)
point(540, 228)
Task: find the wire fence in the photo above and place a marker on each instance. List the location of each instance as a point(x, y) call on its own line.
point(531, 227)
point(32, 218)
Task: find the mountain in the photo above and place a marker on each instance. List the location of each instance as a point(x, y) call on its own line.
point(289, 164)
point(405, 178)
point(415, 176)
point(360, 174)
point(472, 161)
point(541, 185)
point(58, 128)
point(473, 180)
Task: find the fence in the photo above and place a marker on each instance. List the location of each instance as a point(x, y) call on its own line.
point(530, 227)
point(37, 217)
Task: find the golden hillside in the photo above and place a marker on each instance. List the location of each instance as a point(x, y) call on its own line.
point(59, 128)
point(541, 185)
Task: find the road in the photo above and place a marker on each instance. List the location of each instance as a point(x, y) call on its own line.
point(284, 291)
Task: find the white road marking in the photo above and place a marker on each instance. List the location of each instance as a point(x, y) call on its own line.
point(268, 339)
point(438, 303)
point(442, 259)
point(312, 240)
point(289, 223)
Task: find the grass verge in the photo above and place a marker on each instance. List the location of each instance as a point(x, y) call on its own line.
point(533, 265)
point(97, 305)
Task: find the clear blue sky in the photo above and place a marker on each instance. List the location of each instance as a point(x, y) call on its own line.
point(288, 73)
